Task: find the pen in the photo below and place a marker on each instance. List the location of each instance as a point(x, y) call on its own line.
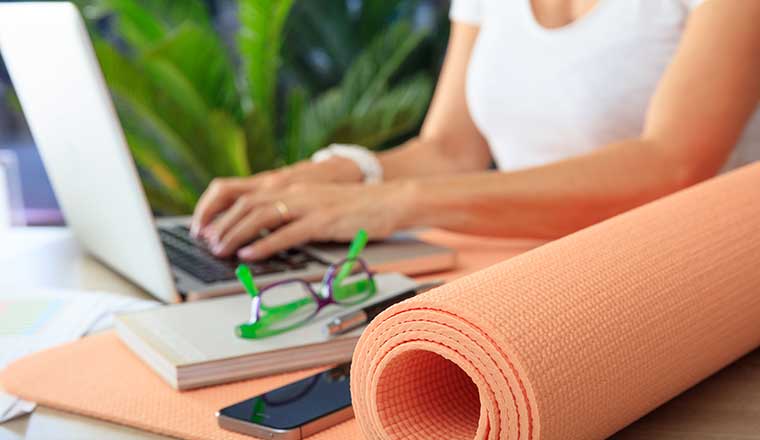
point(350, 321)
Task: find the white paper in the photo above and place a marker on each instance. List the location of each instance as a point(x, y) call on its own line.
point(12, 407)
point(34, 320)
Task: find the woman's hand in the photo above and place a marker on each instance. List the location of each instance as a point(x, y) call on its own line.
point(303, 212)
point(223, 192)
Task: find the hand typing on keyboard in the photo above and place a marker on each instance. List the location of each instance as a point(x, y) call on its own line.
point(233, 212)
point(192, 256)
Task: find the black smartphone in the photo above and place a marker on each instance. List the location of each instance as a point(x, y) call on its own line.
point(294, 411)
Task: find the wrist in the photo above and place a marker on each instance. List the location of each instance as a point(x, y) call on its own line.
point(343, 170)
point(366, 161)
point(405, 199)
point(335, 169)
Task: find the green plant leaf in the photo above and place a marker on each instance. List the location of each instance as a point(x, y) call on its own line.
point(198, 54)
point(176, 102)
point(196, 79)
point(134, 23)
point(323, 37)
point(173, 13)
point(149, 161)
point(162, 182)
point(321, 118)
point(262, 152)
point(294, 147)
point(138, 130)
point(365, 82)
point(370, 74)
point(176, 84)
point(392, 115)
point(260, 38)
point(139, 103)
point(228, 145)
point(161, 201)
point(143, 23)
point(328, 25)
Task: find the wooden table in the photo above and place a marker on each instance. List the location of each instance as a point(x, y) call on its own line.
point(726, 406)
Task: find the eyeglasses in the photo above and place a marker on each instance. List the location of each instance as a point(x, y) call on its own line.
point(288, 304)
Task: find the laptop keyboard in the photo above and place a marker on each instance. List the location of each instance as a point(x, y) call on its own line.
point(192, 257)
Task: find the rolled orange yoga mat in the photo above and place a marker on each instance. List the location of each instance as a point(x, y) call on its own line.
point(578, 338)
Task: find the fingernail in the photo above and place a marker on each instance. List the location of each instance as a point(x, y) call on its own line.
point(248, 254)
point(212, 237)
point(194, 231)
point(217, 248)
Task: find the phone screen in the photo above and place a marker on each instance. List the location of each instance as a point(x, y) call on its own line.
point(298, 403)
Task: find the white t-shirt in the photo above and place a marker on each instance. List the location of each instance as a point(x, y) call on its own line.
point(541, 95)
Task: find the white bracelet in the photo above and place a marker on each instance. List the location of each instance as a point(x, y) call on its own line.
point(361, 156)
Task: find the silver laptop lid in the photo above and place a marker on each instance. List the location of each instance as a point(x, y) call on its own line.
point(65, 100)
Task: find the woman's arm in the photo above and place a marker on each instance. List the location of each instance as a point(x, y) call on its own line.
point(695, 118)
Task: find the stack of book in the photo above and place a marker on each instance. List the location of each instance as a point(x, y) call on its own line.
point(194, 344)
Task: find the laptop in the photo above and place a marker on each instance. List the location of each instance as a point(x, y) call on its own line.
point(66, 102)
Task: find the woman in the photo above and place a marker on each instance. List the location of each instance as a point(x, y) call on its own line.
point(587, 108)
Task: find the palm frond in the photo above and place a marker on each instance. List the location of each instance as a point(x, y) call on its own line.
point(170, 194)
point(161, 200)
point(369, 75)
point(140, 104)
point(328, 26)
point(174, 13)
point(182, 80)
point(228, 147)
point(260, 37)
point(364, 83)
point(263, 153)
point(177, 86)
point(198, 54)
point(133, 23)
point(144, 22)
point(394, 114)
point(294, 147)
point(321, 118)
point(150, 162)
point(324, 37)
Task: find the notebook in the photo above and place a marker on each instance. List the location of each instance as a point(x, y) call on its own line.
point(193, 344)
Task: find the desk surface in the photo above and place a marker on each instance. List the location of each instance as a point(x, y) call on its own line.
point(726, 406)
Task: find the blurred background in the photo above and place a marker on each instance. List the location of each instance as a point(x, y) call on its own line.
point(207, 88)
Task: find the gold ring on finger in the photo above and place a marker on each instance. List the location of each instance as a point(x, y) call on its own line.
point(283, 210)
